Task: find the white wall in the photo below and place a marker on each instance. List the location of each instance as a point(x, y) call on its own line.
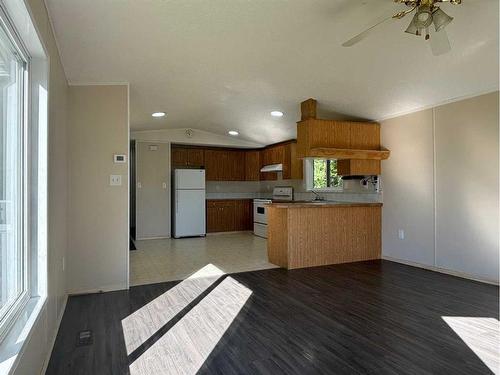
point(97, 257)
point(39, 342)
point(441, 187)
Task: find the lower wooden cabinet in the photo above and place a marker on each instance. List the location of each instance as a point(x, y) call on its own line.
point(228, 215)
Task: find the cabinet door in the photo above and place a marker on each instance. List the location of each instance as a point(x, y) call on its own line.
point(195, 157)
point(278, 154)
point(243, 214)
point(213, 219)
point(292, 166)
point(179, 157)
point(211, 165)
point(228, 214)
point(252, 165)
point(220, 216)
point(359, 167)
point(237, 165)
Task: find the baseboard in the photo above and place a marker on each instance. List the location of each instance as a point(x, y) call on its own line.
point(440, 270)
point(54, 337)
point(232, 232)
point(103, 289)
point(151, 238)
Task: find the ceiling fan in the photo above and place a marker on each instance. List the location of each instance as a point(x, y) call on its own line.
point(427, 13)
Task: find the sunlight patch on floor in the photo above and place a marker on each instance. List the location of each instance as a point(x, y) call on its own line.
point(481, 335)
point(145, 322)
point(188, 344)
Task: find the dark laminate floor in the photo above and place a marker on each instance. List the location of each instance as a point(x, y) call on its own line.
point(371, 317)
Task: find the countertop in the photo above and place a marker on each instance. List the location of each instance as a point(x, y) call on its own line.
point(309, 204)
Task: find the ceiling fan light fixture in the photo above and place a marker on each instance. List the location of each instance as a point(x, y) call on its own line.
point(423, 17)
point(412, 28)
point(440, 19)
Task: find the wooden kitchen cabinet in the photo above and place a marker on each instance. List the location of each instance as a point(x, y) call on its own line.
point(228, 215)
point(187, 157)
point(220, 216)
point(358, 167)
point(195, 157)
point(286, 154)
point(243, 214)
point(224, 165)
point(252, 165)
point(179, 157)
point(292, 165)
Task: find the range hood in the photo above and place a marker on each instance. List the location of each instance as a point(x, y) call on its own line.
point(272, 168)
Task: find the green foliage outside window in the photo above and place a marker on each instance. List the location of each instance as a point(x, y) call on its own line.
point(325, 174)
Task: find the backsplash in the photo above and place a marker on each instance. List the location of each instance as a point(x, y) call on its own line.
point(353, 191)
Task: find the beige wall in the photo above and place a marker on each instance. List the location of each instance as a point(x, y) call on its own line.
point(441, 187)
point(40, 341)
point(152, 198)
point(97, 212)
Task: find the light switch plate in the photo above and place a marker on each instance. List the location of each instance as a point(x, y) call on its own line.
point(401, 234)
point(115, 180)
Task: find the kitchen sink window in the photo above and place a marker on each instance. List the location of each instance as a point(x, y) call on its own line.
point(321, 175)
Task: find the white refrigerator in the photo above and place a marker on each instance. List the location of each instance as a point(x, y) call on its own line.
point(189, 203)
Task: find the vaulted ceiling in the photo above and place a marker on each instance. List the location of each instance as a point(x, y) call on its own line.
point(225, 64)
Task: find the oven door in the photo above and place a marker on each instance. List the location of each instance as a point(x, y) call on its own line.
point(259, 213)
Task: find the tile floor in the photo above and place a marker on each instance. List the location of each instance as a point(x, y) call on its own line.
point(157, 261)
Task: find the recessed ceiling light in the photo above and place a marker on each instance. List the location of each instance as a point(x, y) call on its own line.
point(276, 113)
point(158, 114)
point(233, 133)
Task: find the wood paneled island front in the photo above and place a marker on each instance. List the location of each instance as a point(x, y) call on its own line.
point(307, 234)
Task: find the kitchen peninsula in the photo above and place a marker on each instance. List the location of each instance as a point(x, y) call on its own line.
point(309, 234)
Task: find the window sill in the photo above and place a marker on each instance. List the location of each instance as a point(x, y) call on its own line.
point(13, 344)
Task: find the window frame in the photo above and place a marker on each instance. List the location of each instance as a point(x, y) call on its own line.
point(309, 177)
point(15, 308)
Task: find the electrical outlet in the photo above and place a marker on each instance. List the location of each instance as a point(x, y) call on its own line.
point(115, 180)
point(401, 234)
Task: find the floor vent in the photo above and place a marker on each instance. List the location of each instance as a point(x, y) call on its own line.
point(84, 338)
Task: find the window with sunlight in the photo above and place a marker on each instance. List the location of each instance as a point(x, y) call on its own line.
point(13, 248)
point(324, 175)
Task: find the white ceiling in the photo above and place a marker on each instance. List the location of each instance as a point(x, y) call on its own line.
point(225, 64)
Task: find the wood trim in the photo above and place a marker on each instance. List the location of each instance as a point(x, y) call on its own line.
point(308, 109)
point(345, 153)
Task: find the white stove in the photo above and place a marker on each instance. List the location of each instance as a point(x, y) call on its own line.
point(280, 194)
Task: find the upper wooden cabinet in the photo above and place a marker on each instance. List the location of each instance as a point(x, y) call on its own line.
point(355, 145)
point(224, 164)
point(187, 157)
point(286, 154)
point(293, 167)
point(195, 157)
point(252, 165)
point(314, 134)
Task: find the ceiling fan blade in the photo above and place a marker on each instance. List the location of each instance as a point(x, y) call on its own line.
point(364, 34)
point(439, 43)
